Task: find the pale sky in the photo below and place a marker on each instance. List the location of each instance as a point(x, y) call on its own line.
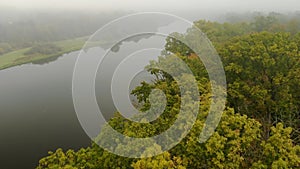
point(160, 5)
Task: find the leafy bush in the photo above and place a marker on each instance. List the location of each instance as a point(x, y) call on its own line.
point(43, 49)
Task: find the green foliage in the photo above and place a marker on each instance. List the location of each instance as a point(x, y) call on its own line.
point(4, 48)
point(228, 147)
point(261, 81)
point(43, 49)
point(221, 32)
point(164, 161)
point(235, 144)
point(278, 151)
point(18, 57)
point(84, 158)
point(264, 23)
point(261, 68)
point(263, 73)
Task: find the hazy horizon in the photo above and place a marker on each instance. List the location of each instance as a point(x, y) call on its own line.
point(158, 5)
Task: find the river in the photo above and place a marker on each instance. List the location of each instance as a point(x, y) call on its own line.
point(36, 108)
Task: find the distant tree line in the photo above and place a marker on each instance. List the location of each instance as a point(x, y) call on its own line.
point(24, 29)
point(20, 29)
point(45, 49)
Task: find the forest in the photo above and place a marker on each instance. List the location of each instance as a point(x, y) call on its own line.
point(38, 27)
point(260, 125)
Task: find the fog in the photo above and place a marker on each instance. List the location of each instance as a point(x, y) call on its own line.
point(159, 5)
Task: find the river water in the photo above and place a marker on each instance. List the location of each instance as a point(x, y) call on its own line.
point(36, 107)
point(37, 113)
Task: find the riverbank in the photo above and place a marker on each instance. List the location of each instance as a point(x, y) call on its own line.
point(18, 57)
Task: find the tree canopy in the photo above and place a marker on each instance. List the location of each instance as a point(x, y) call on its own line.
point(258, 128)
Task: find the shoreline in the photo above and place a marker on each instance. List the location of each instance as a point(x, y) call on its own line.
point(17, 58)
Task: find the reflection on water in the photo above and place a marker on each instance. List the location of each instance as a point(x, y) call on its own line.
point(36, 108)
point(37, 113)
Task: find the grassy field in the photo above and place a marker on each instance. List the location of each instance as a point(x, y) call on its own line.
point(18, 57)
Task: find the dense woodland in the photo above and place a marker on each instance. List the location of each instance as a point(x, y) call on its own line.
point(23, 28)
point(260, 125)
